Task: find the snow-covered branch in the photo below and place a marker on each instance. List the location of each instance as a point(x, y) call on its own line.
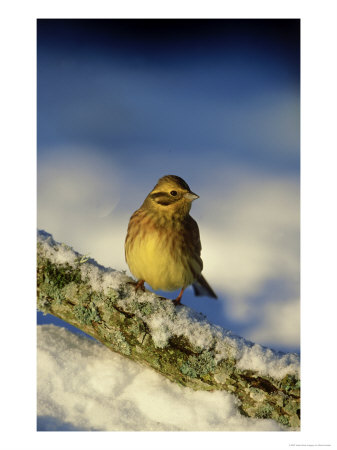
point(175, 341)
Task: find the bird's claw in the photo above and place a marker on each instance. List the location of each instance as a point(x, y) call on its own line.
point(137, 285)
point(177, 302)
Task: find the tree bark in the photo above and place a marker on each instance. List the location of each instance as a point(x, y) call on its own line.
point(114, 316)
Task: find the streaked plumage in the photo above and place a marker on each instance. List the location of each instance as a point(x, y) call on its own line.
point(162, 245)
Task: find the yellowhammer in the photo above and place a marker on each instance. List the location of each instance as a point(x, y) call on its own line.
point(162, 246)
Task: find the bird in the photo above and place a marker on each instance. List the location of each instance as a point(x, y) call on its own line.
point(162, 245)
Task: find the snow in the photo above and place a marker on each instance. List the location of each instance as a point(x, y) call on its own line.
point(82, 385)
point(267, 362)
point(165, 320)
point(101, 278)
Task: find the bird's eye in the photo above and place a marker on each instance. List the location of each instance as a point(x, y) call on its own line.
point(174, 193)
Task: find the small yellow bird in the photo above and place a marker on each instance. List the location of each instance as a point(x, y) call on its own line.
point(162, 246)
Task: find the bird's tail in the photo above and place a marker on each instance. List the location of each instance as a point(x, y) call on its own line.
point(202, 288)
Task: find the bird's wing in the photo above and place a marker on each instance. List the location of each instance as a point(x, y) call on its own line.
point(192, 230)
point(192, 239)
point(200, 286)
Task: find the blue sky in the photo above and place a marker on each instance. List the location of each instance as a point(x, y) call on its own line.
point(217, 102)
point(134, 86)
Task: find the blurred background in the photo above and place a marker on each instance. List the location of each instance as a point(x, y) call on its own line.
point(123, 102)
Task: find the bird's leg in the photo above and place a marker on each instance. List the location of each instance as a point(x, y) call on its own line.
point(138, 285)
point(177, 300)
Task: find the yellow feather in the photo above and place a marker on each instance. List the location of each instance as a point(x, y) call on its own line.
point(149, 258)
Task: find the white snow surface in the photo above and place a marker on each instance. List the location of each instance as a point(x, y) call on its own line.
point(82, 385)
point(168, 320)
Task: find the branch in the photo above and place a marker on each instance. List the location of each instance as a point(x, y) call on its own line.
point(175, 341)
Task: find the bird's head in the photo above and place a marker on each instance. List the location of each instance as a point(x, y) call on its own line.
point(170, 195)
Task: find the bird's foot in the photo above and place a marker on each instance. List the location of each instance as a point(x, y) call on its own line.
point(177, 302)
point(138, 285)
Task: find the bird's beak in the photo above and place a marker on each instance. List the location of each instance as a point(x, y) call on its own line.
point(191, 196)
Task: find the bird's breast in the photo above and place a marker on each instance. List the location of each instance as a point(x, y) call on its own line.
point(158, 256)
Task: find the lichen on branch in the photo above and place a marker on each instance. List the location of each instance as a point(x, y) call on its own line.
point(176, 342)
